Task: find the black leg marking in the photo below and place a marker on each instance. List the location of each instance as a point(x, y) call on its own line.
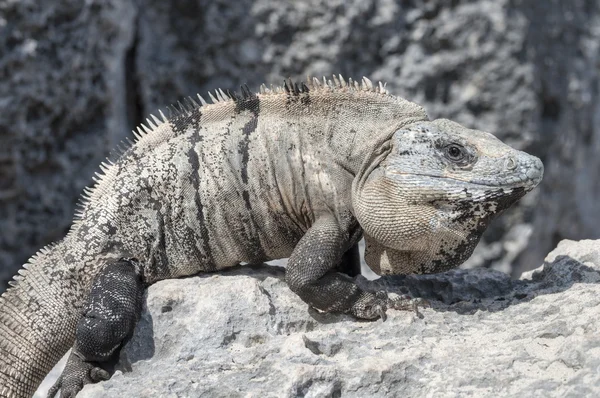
point(311, 273)
point(108, 321)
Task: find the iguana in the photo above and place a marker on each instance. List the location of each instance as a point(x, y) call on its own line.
point(299, 171)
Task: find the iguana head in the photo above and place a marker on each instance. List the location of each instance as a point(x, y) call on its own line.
point(428, 194)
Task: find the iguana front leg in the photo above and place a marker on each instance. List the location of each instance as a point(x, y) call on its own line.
point(311, 273)
point(113, 309)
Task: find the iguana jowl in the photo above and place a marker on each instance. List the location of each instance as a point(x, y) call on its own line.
point(299, 171)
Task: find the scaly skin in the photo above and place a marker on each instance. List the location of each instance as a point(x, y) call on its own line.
point(297, 172)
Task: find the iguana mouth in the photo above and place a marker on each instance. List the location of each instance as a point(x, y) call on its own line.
point(525, 182)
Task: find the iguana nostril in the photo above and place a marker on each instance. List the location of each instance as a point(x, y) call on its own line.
point(510, 163)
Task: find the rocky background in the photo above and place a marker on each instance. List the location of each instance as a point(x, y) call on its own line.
point(77, 76)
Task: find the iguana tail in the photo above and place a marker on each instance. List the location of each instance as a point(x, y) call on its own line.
point(38, 316)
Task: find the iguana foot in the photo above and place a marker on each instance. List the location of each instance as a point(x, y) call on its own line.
point(374, 305)
point(108, 320)
point(77, 373)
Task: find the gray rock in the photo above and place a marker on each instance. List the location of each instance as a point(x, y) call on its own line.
point(77, 76)
point(244, 333)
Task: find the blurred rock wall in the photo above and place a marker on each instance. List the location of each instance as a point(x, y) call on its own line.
point(77, 76)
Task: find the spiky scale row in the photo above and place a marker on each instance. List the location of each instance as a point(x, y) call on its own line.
point(22, 272)
point(288, 88)
point(188, 105)
point(202, 100)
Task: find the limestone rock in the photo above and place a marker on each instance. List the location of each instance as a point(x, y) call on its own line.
point(244, 333)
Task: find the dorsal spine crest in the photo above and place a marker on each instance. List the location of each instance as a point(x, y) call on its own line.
point(183, 108)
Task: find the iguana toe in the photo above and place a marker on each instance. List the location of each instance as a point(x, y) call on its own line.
point(77, 373)
point(406, 303)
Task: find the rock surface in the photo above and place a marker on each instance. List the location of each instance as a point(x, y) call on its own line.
point(77, 76)
point(244, 333)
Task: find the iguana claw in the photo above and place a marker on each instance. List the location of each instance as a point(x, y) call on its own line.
point(77, 373)
point(406, 303)
point(381, 312)
point(382, 295)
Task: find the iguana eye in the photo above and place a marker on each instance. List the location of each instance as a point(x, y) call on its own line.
point(455, 152)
